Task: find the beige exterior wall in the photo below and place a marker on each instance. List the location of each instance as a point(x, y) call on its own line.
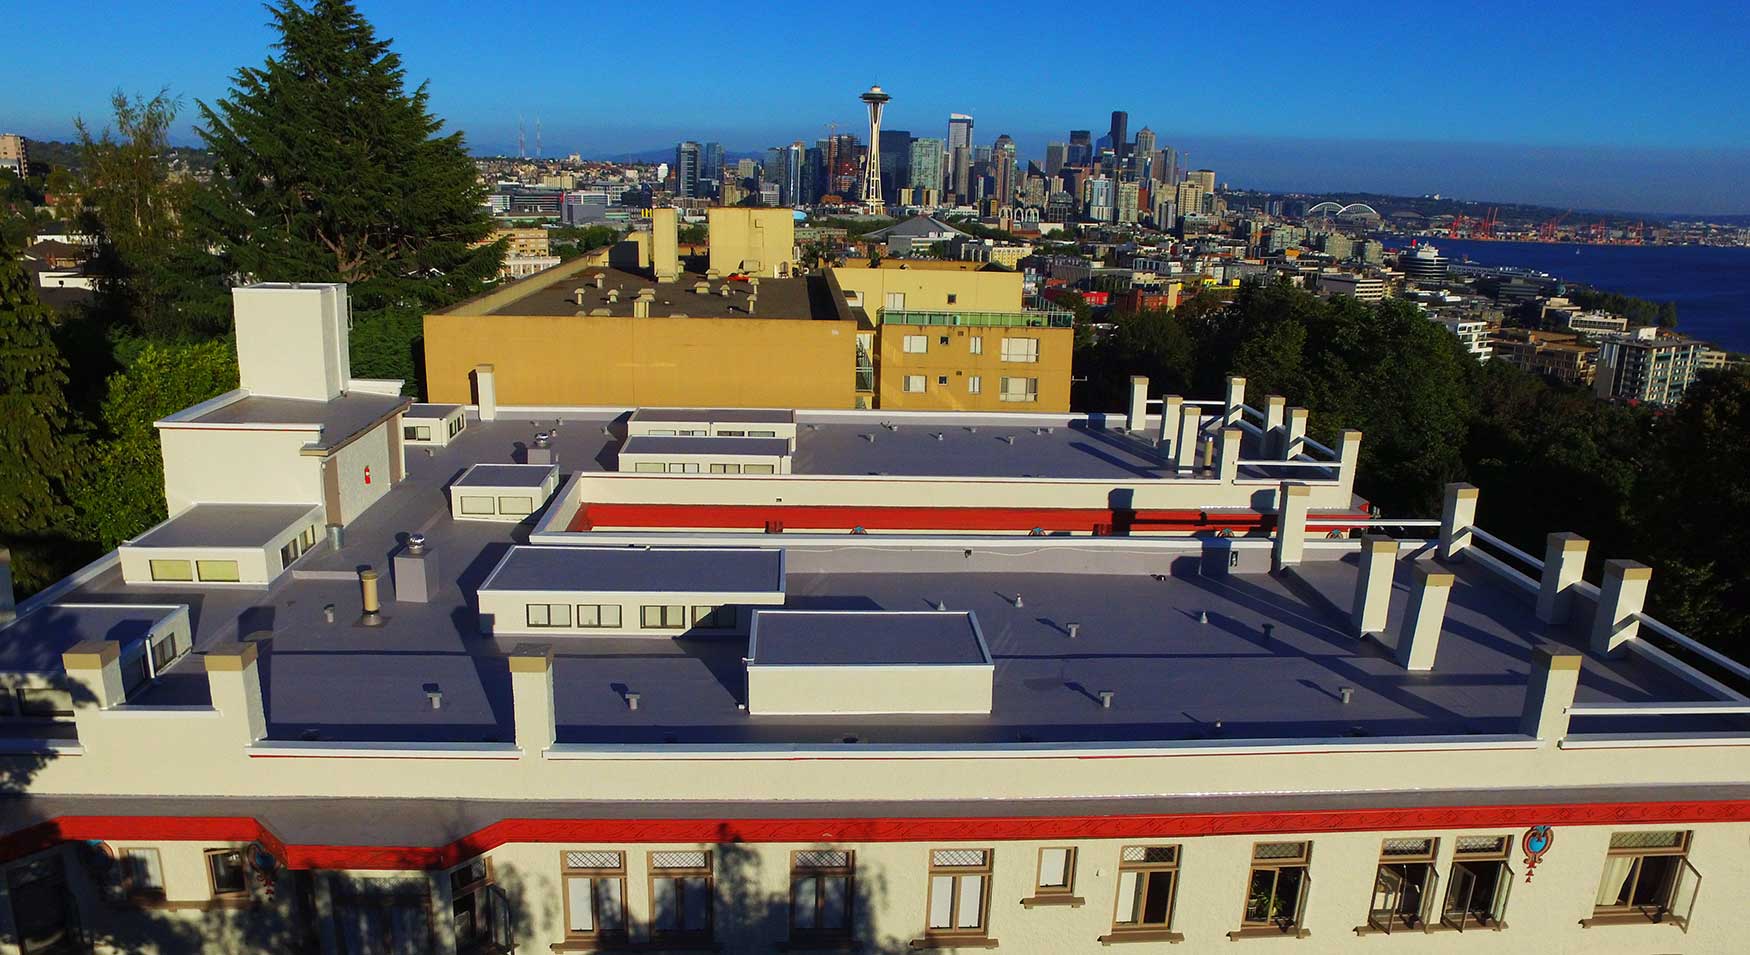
point(758, 241)
point(957, 362)
point(374, 450)
point(628, 362)
point(637, 462)
point(292, 339)
point(853, 690)
point(221, 466)
point(471, 511)
point(254, 565)
point(506, 612)
point(926, 289)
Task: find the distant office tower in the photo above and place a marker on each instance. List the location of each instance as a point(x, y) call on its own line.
point(926, 164)
point(1125, 211)
point(687, 157)
point(772, 167)
point(1102, 199)
point(1205, 179)
point(814, 175)
point(876, 100)
point(711, 165)
point(1145, 155)
point(895, 162)
point(1056, 157)
point(1169, 166)
point(1189, 197)
point(1081, 147)
point(1003, 159)
point(1120, 133)
point(959, 131)
point(793, 159)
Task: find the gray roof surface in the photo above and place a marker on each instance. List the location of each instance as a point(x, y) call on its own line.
point(341, 419)
point(793, 298)
point(916, 226)
point(864, 638)
point(721, 415)
point(423, 410)
point(693, 444)
point(225, 525)
point(640, 570)
point(34, 642)
point(1173, 677)
point(506, 475)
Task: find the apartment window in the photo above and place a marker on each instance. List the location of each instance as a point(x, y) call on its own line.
point(662, 617)
point(308, 538)
point(914, 383)
point(172, 569)
point(1020, 389)
point(45, 919)
point(516, 505)
point(475, 504)
point(164, 652)
point(226, 874)
point(975, 385)
point(820, 895)
point(1276, 889)
point(455, 427)
point(725, 469)
point(477, 911)
point(976, 343)
point(691, 432)
point(595, 894)
point(1647, 875)
point(917, 344)
point(598, 616)
point(661, 432)
point(680, 895)
point(1477, 890)
point(217, 571)
point(142, 873)
point(762, 434)
point(1021, 349)
point(44, 703)
point(646, 467)
point(758, 469)
point(417, 432)
point(1403, 884)
point(549, 615)
point(1148, 883)
point(959, 892)
point(714, 618)
point(942, 340)
point(684, 467)
point(288, 553)
point(941, 379)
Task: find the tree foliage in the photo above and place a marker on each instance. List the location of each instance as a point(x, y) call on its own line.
point(1638, 311)
point(34, 457)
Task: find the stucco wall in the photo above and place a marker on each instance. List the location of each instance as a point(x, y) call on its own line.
point(371, 450)
point(218, 466)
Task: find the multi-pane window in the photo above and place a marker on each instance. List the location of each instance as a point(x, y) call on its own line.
point(416, 432)
point(1021, 349)
point(595, 894)
point(959, 892)
point(820, 895)
point(976, 344)
point(916, 344)
point(680, 894)
point(549, 615)
point(455, 427)
point(683, 467)
point(1148, 877)
point(725, 469)
point(226, 874)
point(605, 616)
point(1276, 890)
point(142, 873)
point(1057, 872)
point(974, 384)
point(914, 383)
point(1403, 884)
point(714, 618)
point(1477, 889)
point(477, 908)
point(1647, 874)
point(1020, 389)
point(663, 617)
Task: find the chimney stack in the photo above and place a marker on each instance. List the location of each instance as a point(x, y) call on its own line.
point(1457, 514)
point(1419, 633)
point(1291, 509)
point(1550, 695)
point(1564, 565)
point(1620, 599)
point(1373, 577)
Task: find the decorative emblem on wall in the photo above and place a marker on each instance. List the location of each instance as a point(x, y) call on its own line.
point(1536, 842)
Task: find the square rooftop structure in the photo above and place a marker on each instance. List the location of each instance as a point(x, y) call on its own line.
point(432, 425)
point(689, 455)
point(855, 662)
point(641, 591)
point(222, 544)
point(718, 422)
point(502, 492)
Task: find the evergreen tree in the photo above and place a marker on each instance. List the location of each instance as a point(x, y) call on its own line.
point(33, 406)
point(328, 169)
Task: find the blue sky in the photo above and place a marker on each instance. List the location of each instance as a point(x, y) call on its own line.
point(1595, 104)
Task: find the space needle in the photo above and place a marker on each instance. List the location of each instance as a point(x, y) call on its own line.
point(872, 169)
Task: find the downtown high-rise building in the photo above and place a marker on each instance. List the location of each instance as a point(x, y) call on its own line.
point(926, 164)
point(1146, 160)
point(1081, 147)
point(688, 157)
point(1056, 157)
point(711, 163)
point(1120, 133)
point(895, 162)
point(960, 153)
point(1003, 161)
point(1102, 199)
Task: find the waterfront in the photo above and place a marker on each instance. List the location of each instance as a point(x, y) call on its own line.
point(1710, 284)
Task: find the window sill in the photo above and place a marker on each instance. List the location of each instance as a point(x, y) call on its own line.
point(1072, 901)
point(1266, 932)
point(1423, 929)
point(819, 945)
point(953, 942)
point(1145, 935)
point(1630, 918)
point(621, 945)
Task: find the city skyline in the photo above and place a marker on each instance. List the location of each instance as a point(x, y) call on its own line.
point(1501, 117)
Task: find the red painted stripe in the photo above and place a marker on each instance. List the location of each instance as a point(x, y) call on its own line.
point(856, 830)
point(845, 517)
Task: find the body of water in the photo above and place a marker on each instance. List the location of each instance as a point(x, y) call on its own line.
point(1710, 285)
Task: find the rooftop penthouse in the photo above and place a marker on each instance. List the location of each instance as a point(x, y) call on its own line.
point(1006, 661)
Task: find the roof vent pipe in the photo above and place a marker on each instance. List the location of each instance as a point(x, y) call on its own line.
point(368, 590)
point(1106, 697)
point(1075, 630)
point(416, 543)
point(543, 439)
point(632, 701)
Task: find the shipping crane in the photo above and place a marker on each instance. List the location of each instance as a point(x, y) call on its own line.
point(1547, 231)
point(1486, 228)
